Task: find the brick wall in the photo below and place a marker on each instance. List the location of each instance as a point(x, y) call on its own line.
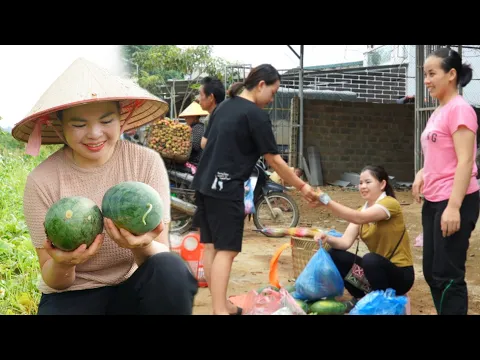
point(378, 84)
point(350, 135)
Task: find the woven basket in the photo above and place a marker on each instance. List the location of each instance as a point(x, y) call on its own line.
point(302, 251)
point(178, 158)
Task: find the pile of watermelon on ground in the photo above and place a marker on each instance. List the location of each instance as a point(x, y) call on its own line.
point(317, 291)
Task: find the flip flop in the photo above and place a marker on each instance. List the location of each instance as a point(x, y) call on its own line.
point(239, 311)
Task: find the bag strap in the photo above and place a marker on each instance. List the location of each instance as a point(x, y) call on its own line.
point(399, 241)
point(394, 250)
point(358, 242)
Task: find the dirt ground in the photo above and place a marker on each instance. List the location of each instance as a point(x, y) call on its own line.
point(251, 267)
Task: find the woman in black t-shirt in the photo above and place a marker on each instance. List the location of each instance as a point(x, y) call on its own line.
point(240, 133)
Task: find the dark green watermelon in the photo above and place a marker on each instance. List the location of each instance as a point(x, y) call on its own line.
point(327, 307)
point(133, 206)
point(274, 288)
point(73, 221)
point(303, 305)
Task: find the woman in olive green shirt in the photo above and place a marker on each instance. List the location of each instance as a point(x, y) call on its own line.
point(379, 223)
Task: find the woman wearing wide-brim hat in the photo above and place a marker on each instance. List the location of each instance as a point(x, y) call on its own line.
point(192, 115)
point(87, 109)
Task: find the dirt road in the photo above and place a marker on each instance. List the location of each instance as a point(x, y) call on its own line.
point(250, 269)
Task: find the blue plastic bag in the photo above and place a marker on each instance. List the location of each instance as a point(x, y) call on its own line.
point(249, 205)
point(381, 302)
point(334, 233)
point(320, 278)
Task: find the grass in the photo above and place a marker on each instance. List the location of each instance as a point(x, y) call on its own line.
point(19, 268)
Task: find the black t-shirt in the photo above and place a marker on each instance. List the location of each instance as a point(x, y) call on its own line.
point(240, 132)
point(197, 133)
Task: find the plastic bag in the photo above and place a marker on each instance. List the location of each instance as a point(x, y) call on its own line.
point(320, 278)
point(419, 240)
point(249, 205)
point(334, 233)
point(271, 302)
point(381, 302)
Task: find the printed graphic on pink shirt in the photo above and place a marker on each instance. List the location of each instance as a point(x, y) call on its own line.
point(439, 149)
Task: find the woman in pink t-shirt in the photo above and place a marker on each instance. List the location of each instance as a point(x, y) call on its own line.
point(87, 109)
point(448, 182)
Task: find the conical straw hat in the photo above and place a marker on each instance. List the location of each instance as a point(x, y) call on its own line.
point(194, 109)
point(82, 83)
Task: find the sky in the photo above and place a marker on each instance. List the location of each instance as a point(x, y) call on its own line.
point(281, 57)
point(26, 71)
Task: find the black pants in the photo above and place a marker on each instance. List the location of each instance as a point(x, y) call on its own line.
point(380, 272)
point(444, 257)
point(162, 285)
point(221, 222)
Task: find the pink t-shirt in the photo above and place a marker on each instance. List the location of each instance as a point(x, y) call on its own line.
point(439, 149)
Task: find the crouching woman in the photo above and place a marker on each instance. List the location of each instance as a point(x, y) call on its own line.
point(379, 223)
point(119, 273)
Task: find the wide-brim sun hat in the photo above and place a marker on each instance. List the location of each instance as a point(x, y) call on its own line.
point(84, 82)
point(194, 109)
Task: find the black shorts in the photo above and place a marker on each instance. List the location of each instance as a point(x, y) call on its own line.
point(221, 222)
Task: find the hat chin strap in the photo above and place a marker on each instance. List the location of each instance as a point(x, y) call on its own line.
point(35, 138)
point(131, 107)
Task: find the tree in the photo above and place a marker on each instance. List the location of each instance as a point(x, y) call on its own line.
point(158, 64)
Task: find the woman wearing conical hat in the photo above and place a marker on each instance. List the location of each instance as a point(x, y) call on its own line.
point(192, 115)
point(87, 109)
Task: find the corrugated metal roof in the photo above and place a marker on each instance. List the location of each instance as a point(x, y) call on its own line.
point(319, 94)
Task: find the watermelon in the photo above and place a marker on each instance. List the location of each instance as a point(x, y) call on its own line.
point(73, 221)
point(133, 206)
point(327, 307)
point(303, 305)
point(261, 289)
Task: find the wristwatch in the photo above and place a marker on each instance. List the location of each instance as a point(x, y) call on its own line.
point(324, 199)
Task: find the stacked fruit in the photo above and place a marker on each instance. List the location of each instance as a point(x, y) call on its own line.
point(172, 140)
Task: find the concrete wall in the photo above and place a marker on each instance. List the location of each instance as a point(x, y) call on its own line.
point(350, 135)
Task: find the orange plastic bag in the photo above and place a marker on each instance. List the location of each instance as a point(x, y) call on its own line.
point(192, 252)
point(273, 274)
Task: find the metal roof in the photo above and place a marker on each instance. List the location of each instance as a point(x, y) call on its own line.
point(319, 94)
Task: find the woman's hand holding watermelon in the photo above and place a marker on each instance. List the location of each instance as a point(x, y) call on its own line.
point(127, 240)
point(75, 257)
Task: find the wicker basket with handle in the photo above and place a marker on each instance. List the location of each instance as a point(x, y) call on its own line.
point(302, 251)
point(303, 248)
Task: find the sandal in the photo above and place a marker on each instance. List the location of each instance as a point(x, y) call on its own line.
point(239, 311)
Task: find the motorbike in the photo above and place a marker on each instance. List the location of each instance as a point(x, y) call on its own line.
point(273, 205)
point(182, 198)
